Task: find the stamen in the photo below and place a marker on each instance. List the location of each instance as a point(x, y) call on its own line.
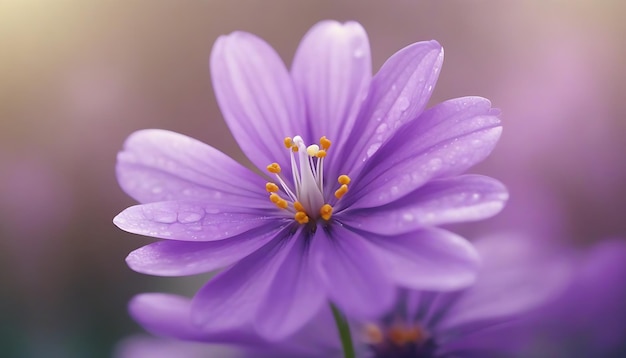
point(273, 168)
point(343, 179)
point(288, 142)
point(278, 201)
point(326, 211)
point(324, 143)
point(321, 153)
point(301, 217)
point(271, 187)
point(339, 193)
point(401, 334)
point(298, 206)
point(312, 150)
point(373, 334)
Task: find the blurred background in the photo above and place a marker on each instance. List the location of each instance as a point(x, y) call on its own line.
point(76, 78)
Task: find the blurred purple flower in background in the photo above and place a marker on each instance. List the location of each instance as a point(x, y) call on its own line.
point(519, 274)
point(588, 319)
point(314, 240)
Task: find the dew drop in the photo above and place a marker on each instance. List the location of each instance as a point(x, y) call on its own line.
point(186, 217)
point(382, 128)
point(435, 164)
point(372, 149)
point(403, 103)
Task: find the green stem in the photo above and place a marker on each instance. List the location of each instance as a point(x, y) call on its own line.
point(344, 332)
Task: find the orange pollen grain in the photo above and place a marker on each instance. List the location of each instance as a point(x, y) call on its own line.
point(343, 179)
point(301, 217)
point(288, 142)
point(273, 168)
point(298, 206)
point(326, 211)
point(339, 193)
point(324, 143)
point(271, 187)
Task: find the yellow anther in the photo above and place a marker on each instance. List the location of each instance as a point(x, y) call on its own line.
point(321, 153)
point(271, 187)
point(282, 204)
point(325, 143)
point(274, 198)
point(294, 148)
point(341, 191)
point(326, 211)
point(273, 168)
point(278, 201)
point(312, 150)
point(288, 142)
point(397, 335)
point(343, 179)
point(301, 217)
point(373, 334)
point(298, 206)
point(401, 335)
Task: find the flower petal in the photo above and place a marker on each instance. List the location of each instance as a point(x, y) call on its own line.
point(190, 220)
point(176, 258)
point(333, 68)
point(517, 274)
point(444, 201)
point(428, 259)
point(446, 140)
point(294, 297)
point(169, 315)
point(151, 347)
point(257, 97)
point(355, 281)
point(159, 165)
point(233, 297)
point(398, 94)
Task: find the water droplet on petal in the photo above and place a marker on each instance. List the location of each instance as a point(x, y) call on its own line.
point(164, 217)
point(186, 217)
point(382, 128)
point(372, 149)
point(403, 103)
point(435, 164)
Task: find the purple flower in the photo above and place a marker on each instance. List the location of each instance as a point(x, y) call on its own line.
point(588, 319)
point(518, 276)
point(342, 221)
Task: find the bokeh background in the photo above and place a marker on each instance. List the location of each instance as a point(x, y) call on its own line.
point(76, 78)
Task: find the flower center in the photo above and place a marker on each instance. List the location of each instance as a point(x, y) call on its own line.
point(306, 201)
point(399, 340)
